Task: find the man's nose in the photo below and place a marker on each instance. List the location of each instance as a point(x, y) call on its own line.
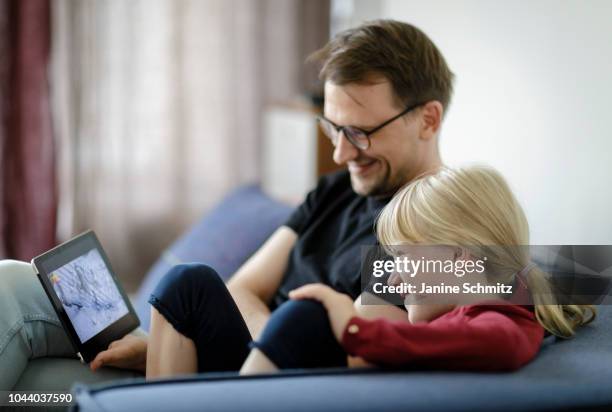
point(344, 150)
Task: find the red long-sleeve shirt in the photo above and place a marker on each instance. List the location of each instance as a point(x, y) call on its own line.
point(486, 337)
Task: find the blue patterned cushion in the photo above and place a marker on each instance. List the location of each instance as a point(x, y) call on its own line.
point(223, 239)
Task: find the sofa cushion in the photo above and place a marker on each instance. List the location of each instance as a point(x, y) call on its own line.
point(575, 374)
point(59, 374)
point(223, 239)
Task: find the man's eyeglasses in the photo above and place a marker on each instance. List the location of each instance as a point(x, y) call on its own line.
point(357, 137)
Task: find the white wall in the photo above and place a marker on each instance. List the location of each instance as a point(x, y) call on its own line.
point(533, 86)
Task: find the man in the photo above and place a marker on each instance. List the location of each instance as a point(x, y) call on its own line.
point(386, 90)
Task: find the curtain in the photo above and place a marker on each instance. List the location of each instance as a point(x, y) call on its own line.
point(27, 169)
point(157, 109)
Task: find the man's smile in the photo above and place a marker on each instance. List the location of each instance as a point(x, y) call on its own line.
point(362, 167)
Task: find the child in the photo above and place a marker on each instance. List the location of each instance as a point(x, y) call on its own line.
point(453, 207)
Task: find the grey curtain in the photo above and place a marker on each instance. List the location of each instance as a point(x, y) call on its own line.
point(157, 109)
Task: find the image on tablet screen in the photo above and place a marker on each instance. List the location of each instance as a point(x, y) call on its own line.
point(88, 294)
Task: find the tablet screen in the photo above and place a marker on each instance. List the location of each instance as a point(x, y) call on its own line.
point(88, 294)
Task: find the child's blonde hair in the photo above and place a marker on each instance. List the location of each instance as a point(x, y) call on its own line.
point(474, 208)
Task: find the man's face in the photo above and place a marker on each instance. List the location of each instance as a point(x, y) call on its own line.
point(396, 154)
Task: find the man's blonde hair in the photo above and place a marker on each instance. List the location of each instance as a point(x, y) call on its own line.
point(474, 208)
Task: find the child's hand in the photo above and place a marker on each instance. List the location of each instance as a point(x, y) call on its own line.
point(339, 306)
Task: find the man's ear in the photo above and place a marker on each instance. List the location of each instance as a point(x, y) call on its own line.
point(431, 113)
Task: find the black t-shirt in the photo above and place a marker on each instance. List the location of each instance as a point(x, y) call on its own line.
point(332, 225)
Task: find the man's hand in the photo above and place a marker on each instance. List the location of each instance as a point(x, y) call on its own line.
point(339, 306)
point(129, 352)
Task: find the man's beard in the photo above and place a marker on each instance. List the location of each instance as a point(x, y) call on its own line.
point(385, 185)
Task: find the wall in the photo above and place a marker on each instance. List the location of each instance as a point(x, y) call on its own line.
point(532, 99)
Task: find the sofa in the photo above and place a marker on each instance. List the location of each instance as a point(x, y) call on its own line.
point(567, 375)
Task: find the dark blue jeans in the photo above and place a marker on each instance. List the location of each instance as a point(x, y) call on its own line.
point(196, 302)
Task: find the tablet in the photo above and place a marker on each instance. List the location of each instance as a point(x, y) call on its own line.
point(86, 294)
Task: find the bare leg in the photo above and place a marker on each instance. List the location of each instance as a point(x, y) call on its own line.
point(169, 353)
point(257, 362)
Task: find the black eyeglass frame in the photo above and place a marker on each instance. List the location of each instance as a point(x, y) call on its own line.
point(367, 133)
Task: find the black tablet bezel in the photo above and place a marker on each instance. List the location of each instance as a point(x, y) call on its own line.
point(59, 256)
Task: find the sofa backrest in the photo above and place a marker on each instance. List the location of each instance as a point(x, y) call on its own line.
point(224, 238)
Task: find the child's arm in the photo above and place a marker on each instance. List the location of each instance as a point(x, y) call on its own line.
point(481, 337)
